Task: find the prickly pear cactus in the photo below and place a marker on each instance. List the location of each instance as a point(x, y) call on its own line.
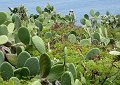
point(3, 30)
point(96, 36)
point(38, 9)
point(25, 72)
point(19, 49)
point(72, 38)
point(48, 35)
point(16, 80)
point(33, 65)
point(92, 53)
point(92, 13)
point(3, 17)
point(67, 78)
point(17, 21)
point(12, 58)
point(77, 82)
point(22, 72)
point(83, 21)
point(3, 39)
point(1, 57)
point(45, 65)
point(97, 14)
point(22, 57)
point(72, 69)
point(39, 44)
point(10, 27)
point(56, 72)
point(85, 42)
point(39, 25)
point(24, 35)
point(6, 70)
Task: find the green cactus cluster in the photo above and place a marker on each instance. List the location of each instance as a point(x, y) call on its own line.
point(25, 47)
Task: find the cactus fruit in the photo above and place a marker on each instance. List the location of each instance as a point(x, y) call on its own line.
point(45, 65)
point(6, 70)
point(72, 69)
point(3, 39)
point(33, 65)
point(24, 35)
point(1, 57)
point(72, 38)
point(16, 80)
point(3, 17)
point(22, 57)
point(56, 72)
point(67, 78)
point(39, 44)
point(92, 53)
point(3, 30)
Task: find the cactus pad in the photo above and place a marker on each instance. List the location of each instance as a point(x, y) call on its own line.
point(39, 44)
point(45, 65)
point(33, 65)
point(22, 57)
point(6, 70)
point(56, 72)
point(3, 17)
point(24, 35)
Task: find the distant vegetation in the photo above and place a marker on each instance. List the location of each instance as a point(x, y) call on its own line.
point(49, 49)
